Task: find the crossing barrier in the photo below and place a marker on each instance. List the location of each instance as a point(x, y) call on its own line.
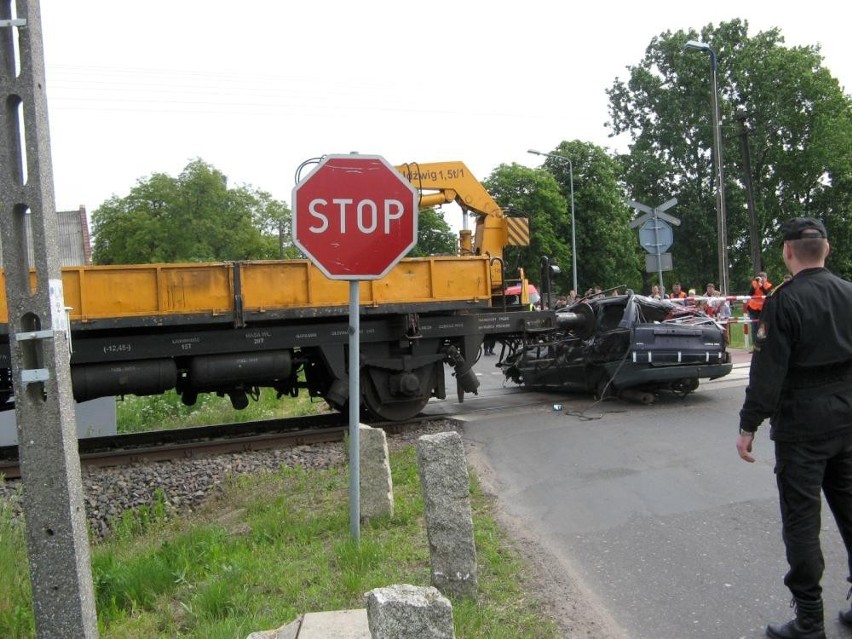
point(715, 300)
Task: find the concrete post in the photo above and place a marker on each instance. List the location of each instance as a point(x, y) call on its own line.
point(54, 509)
point(376, 482)
point(409, 612)
point(449, 522)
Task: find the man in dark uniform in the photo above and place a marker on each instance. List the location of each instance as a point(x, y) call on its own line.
point(801, 378)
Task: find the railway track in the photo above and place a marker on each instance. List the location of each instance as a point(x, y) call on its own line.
point(187, 443)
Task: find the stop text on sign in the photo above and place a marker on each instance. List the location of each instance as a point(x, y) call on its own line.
point(368, 215)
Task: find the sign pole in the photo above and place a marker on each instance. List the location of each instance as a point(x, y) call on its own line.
point(354, 410)
point(355, 217)
point(659, 253)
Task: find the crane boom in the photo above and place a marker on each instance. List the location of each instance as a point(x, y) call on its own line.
point(447, 182)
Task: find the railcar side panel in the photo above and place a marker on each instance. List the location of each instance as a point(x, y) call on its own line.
point(100, 292)
point(148, 291)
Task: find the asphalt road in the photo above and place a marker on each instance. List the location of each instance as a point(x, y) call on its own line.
point(649, 506)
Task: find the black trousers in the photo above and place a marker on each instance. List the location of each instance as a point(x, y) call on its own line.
point(802, 470)
point(754, 316)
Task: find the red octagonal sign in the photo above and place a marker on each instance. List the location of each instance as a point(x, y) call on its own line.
point(355, 216)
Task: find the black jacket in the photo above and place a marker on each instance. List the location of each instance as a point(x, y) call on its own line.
point(801, 368)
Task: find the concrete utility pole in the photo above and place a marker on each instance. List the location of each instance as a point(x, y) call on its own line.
point(753, 224)
point(57, 544)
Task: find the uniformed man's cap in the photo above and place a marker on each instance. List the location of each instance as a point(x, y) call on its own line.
point(802, 227)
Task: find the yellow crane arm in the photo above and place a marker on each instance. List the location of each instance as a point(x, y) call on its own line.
point(453, 182)
point(445, 182)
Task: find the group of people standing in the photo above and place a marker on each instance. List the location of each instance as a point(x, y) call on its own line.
point(761, 287)
point(711, 302)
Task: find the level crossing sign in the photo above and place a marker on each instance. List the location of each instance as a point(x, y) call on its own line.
point(656, 236)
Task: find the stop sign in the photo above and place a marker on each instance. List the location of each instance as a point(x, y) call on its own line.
point(355, 216)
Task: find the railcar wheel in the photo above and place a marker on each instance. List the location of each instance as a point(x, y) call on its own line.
point(394, 410)
point(396, 395)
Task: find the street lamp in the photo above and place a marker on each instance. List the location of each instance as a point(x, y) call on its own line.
point(721, 223)
point(573, 227)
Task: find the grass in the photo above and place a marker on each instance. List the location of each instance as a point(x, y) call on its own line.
point(166, 411)
point(272, 547)
point(16, 620)
point(737, 338)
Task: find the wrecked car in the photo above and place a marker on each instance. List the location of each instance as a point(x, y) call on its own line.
point(630, 346)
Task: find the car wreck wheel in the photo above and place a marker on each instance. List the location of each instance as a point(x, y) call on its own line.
point(685, 386)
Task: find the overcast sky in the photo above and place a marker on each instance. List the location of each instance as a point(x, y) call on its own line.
point(256, 87)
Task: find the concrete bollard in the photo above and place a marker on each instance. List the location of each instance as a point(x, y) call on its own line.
point(409, 612)
point(375, 483)
point(449, 523)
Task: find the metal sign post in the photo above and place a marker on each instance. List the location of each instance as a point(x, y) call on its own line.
point(354, 408)
point(355, 217)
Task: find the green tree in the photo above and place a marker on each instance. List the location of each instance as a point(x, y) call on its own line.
point(192, 218)
point(799, 138)
point(274, 220)
point(533, 194)
point(607, 250)
point(434, 235)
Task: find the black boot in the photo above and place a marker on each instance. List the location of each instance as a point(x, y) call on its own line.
point(808, 623)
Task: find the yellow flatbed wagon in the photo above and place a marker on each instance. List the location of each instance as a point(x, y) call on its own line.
point(241, 292)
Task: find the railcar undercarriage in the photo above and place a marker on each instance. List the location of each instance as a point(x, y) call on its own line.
point(402, 359)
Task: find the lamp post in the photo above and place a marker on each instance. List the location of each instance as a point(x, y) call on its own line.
point(721, 223)
point(573, 226)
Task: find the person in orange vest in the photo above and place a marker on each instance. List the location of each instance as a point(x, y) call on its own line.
point(760, 288)
point(677, 292)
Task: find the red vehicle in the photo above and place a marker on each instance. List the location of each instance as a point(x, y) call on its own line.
point(513, 293)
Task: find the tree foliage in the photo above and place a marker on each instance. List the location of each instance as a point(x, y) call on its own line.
point(535, 195)
point(607, 250)
point(434, 236)
point(192, 218)
point(798, 130)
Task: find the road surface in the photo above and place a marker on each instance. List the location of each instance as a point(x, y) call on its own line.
point(649, 508)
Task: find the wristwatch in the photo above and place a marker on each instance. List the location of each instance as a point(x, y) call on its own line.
point(746, 433)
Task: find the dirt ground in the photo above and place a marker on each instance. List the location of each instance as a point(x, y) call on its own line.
point(574, 608)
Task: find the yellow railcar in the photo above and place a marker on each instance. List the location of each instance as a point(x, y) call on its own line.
point(230, 328)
